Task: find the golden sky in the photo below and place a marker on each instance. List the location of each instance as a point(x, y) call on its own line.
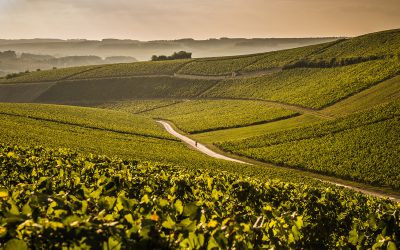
point(200, 19)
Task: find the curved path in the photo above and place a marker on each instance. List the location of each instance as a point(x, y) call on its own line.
point(200, 147)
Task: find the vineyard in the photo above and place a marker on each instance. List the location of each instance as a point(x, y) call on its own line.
point(127, 142)
point(375, 44)
point(139, 105)
point(103, 91)
point(278, 59)
point(207, 115)
point(362, 147)
point(61, 199)
point(219, 66)
point(315, 88)
point(109, 176)
point(49, 75)
point(134, 69)
point(87, 117)
point(256, 130)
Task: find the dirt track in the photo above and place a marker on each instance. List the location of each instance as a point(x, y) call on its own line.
point(200, 147)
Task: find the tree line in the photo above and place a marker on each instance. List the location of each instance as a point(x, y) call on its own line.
point(175, 56)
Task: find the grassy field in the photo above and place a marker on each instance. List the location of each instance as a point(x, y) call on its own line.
point(256, 130)
point(383, 92)
point(362, 147)
point(59, 190)
point(134, 69)
point(196, 116)
point(87, 117)
point(112, 203)
point(219, 66)
point(103, 91)
point(313, 88)
point(374, 44)
point(278, 59)
point(49, 75)
point(139, 105)
point(46, 126)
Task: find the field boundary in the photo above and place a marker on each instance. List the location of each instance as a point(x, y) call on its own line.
point(325, 134)
point(244, 125)
point(198, 146)
point(89, 127)
point(159, 107)
point(348, 184)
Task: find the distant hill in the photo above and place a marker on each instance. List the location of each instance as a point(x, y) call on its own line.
point(144, 50)
point(11, 62)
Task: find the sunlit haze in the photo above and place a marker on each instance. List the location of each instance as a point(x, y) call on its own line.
point(171, 19)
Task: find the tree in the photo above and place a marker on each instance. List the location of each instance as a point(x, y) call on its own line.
point(175, 56)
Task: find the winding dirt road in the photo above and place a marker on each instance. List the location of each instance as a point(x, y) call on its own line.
point(200, 147)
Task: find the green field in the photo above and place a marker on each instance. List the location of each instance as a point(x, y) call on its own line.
point(110, 177)
point(374, 44)
point(386, 91)
point(104, 91)
point(313, 88)
point(134, 69)
point(49, 75)
point(256, 130)
point(219, 66)
point(278, 59)
point(362, 147)
point(139, 105)
point(64, 199)
point(196, 116)
point(117, 134)
point(87, 117)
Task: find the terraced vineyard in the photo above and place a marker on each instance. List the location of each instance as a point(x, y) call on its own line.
point(219, 66)
point(116, 134)
point(87, 117)
point(134, 69)
point(140, 105)
point(374, 44)
point(278, 59)
point(103, 91)
point(362, 147)
point(198, 116)
point(315, 88)
point(49, 75)
point(64, 199)
point(298, 125)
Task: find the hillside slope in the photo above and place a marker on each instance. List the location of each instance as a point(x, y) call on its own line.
point(313, 76)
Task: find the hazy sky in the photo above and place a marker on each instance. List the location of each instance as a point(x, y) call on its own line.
point(170, 19)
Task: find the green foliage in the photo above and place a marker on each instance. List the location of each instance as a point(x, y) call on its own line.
point(198, 116)
point(88, 117)
point(331, 62)
point(383, 92)
point(175, 56)
point(314, 88)
point(134, 69)
point(374, 44)
point(20, 128)
point(49, 75)
point(106, 90)
point(362, 147)
point(280, 58)
point(219, 65)
point(61, 199)
point(139, 106)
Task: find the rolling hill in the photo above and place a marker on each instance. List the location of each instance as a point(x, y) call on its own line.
point(304, 118)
